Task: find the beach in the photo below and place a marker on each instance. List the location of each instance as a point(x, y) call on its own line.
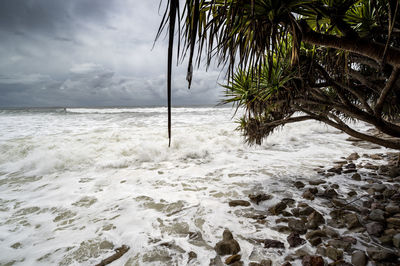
point(76, 183)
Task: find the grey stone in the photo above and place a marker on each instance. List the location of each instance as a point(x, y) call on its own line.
point(339, 244)
point(378, 187)
point(333, 253)
point(297, 226)
point(228, 245)
point(315, 233)
point(314, 220)
point(352, 221)
point(377, 215)
point(396, 240)
point(356, 177)
point(374, 228)
point(378, 254)
point(270, 243)
point(359, 258)
point(317, 182)
point(278, 208)
point(235, 203)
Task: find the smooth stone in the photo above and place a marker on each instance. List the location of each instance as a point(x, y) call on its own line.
point(378, 187)
point(235, 203)
point(315, 233)
point(295, 240)
point(317, 182)
point(297, 226)
point(330, 193)
point(259, 197)
point(353, 156)
point(378, 254)
point(392, 208)
point(315, 241)
point(299, 184)
point(228, 245)
point(314, 220)
point(352, 221)
point(377, 215)
point(356, 177)
point(396, 240)
point(333, 253)
point(359, 258)
point(312, 261)
point(374, 228)
point(386, 240)
point(271, 243)
point(308, 195)
point(278, 208)
point(394, 221)
point(232, 259)
point(339, 244)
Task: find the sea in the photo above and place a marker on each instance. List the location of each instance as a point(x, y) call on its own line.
point(77, 183)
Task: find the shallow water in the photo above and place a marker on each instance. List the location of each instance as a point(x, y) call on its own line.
point(76, 184)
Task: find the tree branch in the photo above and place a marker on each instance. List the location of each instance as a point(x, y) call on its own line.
point(359, 46)
point(388, 86)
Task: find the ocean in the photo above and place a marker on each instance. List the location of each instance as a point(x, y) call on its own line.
point(77, 183)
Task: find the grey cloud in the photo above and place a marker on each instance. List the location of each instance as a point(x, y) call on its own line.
point(89, 53)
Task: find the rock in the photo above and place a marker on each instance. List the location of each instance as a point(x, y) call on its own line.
point(235, 203)
point(330, 193)
point(299, 184)
point(314, 220)
point(288, 201)
point(315, 241)
point(396, 240)
point(305, 211)
point(374, 228)
point(262, 263)
point(216, 261)
point(317, 182)
point(336, 170)
point(339, 244)
point(192, 255)
point(356, 177)
point(378, 187)
point(232, 259)
point(352, 193)
point(333, 253)
point(349, 239)
point(259, 197)
point(286, 263)
point(270, 243)
point(359, 258)
point(350, 166)
point(321, 251)
point(353, 156)
point(237, 263)
point(351, 221)
point(308, 195)
point(297, 226)
point(339, 202)
point(315, 233)
point(392, 208)
point(378, 254)
point(330, 232)
point(386, 240)
point(227, 245)
point(388, 193)
point(312, 261)
point(396, 197)
point(377, 215)
point(295, 240)
point(393, 221)
point(394, 172)
point(371, 166)
point(278, 208)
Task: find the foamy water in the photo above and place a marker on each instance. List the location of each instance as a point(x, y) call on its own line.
point(77, 183)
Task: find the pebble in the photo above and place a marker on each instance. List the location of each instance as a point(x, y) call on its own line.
point(359, 258)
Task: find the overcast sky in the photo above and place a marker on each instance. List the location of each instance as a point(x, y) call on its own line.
point(90, 53)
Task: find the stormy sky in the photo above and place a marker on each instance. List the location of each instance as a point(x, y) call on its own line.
point(90, 53)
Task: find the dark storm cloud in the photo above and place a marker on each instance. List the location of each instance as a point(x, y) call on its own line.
point(88, 53)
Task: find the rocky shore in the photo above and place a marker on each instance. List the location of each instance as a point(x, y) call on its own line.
point(360, 225)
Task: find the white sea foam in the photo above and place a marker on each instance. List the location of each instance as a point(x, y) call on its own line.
point(75, 184)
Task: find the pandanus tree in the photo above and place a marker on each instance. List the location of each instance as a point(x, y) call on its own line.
point(333, 61)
